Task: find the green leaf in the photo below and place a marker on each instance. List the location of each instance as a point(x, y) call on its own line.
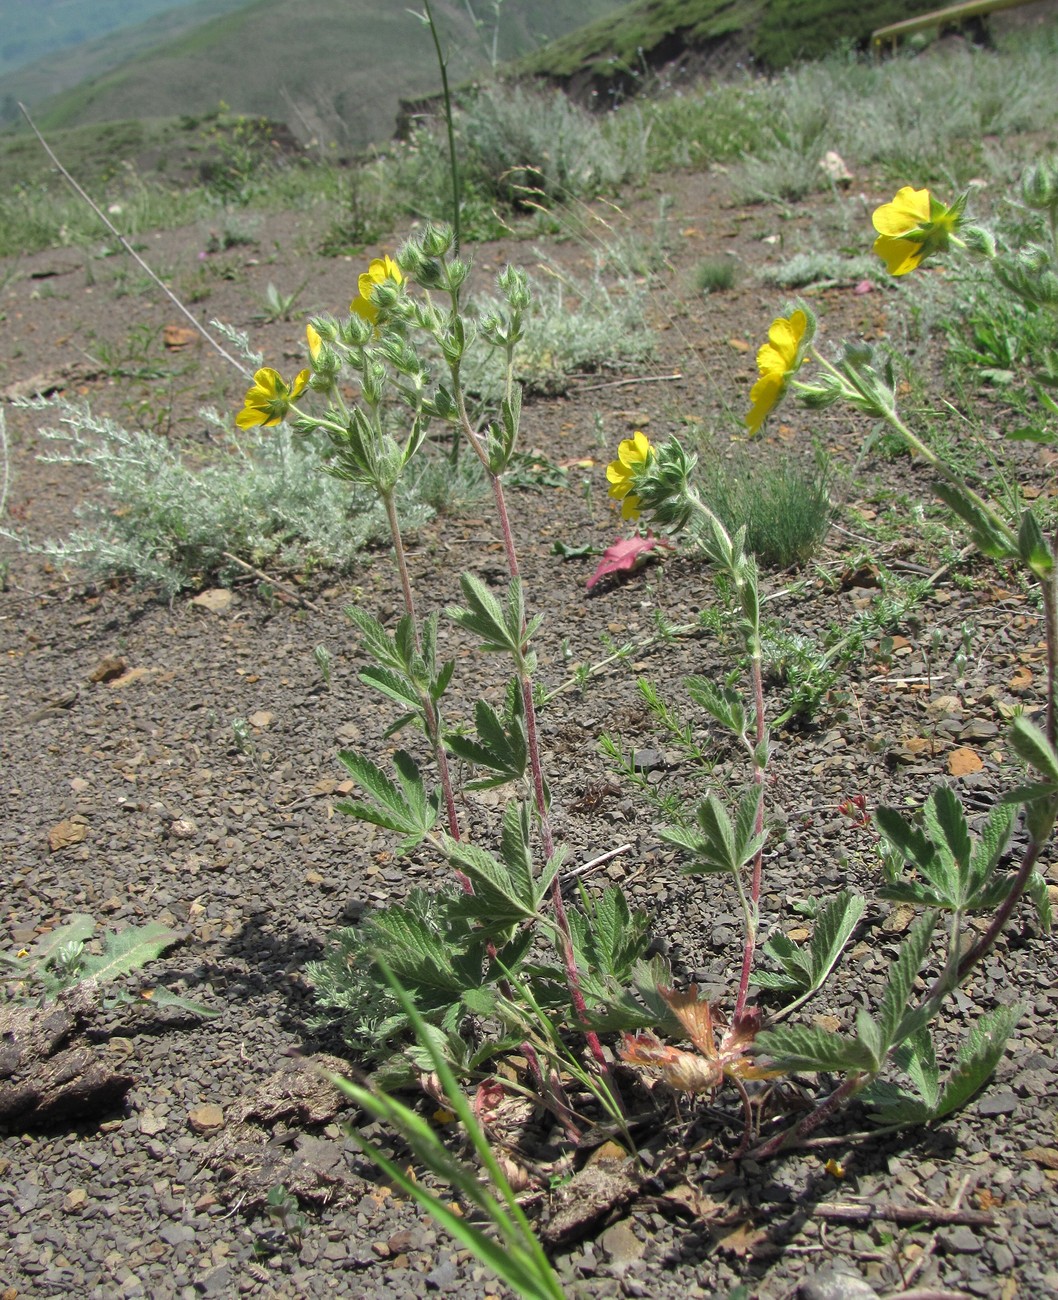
point(405, 808)
point(986, 535)
point(905, 838)
point(832, 930)
point(394, 685)
point(871, 1037)
point(517, 1258)
point(128, 950)
point(720, 702)
point(1033, 747)
point(894, 1018)
point(989, 847)
point(946, 825)
point(978, 1057)
point(77, 929)
point(811, 1049)
point(1037, 890)
point(163, 997)
point(1033, 548)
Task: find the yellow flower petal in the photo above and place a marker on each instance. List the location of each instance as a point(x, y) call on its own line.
point(908, 210)
point(901, 255)
point(630, 507)
point(764, 397)
point(301, 382)
point(314, 340)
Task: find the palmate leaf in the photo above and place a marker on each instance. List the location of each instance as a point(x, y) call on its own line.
point(895, 1021)
point(505, 893)
point(978, 1057)
point(811, 1049)
point(806, 967)
point(500, 627)
point(503, 749)
point(721, 703)
point(720, 844)
point(128, 950)
point(405, 808)
point(608, 938)
point(392, 684)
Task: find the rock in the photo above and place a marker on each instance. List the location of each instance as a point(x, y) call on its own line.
point(832, 165)
point(963, 1241)
point(621, 1243)
point(836, 1283)
point(216, 600)
point(999, 1103)
point(107, 669)
point(206, 1119)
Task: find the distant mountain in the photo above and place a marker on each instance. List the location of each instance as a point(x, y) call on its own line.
point(33, 29)
point(332, 69)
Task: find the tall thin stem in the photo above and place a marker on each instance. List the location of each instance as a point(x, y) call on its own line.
point(453, 159)
point(432, 723)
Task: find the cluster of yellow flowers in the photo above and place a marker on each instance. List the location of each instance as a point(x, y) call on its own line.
point(910, 228)
point(270, 399)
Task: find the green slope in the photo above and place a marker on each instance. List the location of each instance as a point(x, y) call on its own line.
point(773, 33)
point(335, 69)
point(85, 60)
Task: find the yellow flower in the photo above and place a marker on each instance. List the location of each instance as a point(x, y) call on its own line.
point(911, 227)
point(777, 360)
point(380, 270)
point(633, 455)
point(269, 399)
point(315, 342)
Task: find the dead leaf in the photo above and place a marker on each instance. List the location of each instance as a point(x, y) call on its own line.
point(261, 719)
point(963, 761)
point(742, 1240)
point(1022, 679)
point(176, 337)
point(66, 834)
point(216, 600)
point(740, 345)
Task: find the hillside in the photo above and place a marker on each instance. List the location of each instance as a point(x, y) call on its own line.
point(33, 31)
point(341, 72)
point(33, 68)
point(648, 34)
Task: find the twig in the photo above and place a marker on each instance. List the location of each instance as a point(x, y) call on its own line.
point(595, 862)
point(243, 370)
point(931, 1245)
point(622, 383)
point(935, 1215)
point(928, 1293)
point(274, 582)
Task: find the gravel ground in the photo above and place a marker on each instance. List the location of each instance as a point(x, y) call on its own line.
point(238, 846)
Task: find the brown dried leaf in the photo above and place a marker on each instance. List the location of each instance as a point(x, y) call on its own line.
point(742, 1240)
point(963, 761)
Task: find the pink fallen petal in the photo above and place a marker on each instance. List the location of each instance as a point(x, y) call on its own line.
point(626, 555)
point(864, 286)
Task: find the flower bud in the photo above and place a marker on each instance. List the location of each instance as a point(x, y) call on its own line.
point(514, 284)
point(1039, 186)
point(979, 241)
point(436, 239)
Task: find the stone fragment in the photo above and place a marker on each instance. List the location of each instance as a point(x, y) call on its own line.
point(206, 1119)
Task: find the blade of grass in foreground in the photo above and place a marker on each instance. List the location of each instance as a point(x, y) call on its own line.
point(517, 1258)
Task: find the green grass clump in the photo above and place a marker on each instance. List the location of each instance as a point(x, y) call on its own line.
point(785, 508)
point(714, 274)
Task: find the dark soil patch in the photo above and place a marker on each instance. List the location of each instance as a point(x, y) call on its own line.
point(239, 847)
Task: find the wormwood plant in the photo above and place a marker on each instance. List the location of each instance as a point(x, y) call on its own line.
point(933, 859)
